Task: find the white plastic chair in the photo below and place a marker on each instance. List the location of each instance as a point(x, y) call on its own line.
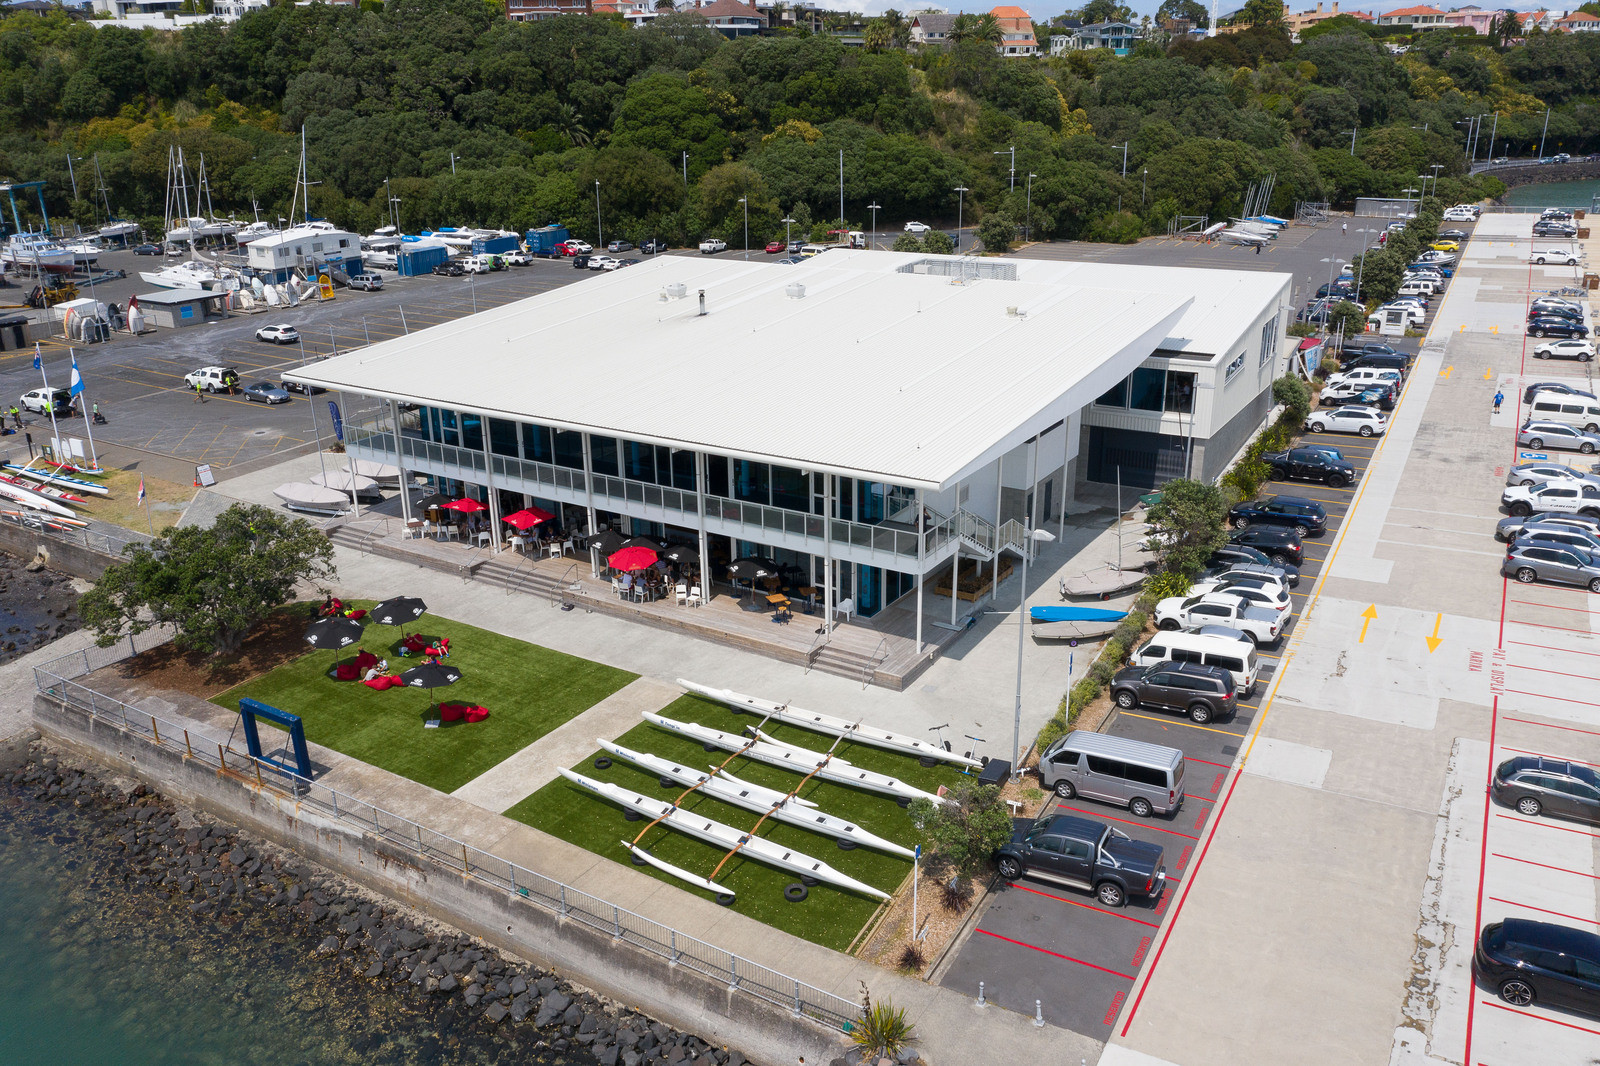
point(567, 547)
point(694, 596)
point(683, 594)
point(552, 550)
point(616, 586)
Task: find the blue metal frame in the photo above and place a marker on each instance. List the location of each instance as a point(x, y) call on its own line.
point(249, 710)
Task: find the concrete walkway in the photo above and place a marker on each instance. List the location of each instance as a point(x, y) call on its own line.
point(507, 783)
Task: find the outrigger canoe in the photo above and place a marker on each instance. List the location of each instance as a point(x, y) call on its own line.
point(752, 797)
point(722, 836)
point(829, 724)
point(34, 500)
point(77, 484)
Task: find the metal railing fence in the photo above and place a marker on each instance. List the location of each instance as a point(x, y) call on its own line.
point(100, 540)
point(57, 680)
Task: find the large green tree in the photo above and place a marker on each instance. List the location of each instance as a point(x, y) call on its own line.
point(966, 829)
point(1187, 524)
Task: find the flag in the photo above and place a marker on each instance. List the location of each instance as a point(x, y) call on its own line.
point(140, 501)
point(37, 364)
point(75, 386)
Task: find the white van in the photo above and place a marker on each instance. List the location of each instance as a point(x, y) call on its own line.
point(1236, 656)
point(1416, 287)
point(1145, 778)
point(1577, 411)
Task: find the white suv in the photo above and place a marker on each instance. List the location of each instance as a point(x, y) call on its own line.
point(1553, 497)
point(1582, 351)
point(212, 378)
point(1367, 421)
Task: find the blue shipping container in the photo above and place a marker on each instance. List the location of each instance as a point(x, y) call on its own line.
point(418, 261)
point(495, 245)
point(543, 241)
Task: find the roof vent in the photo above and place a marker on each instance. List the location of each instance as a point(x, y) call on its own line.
point(677, 290)
point(796, 291)
point(702, 302)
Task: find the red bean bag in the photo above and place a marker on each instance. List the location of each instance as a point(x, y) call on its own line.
point(365, 660)
point(452, 712)
point(356, 615)
point(414, 644)
point(477, 714)
point(347, 672)
point(379, 683)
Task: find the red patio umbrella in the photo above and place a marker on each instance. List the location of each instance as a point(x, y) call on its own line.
point(632, 559)
point(526, 519)
point(466, 505)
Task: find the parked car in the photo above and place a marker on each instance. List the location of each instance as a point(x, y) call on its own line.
point(147, 249)
point(1305, 517)
point(580, 262)
point(1356, 418)
point(1561, 565)
point(1582, 351)
point(449, 269)
point(1538, 435)
point(40, 401)
point(1281, 546)
point(300, 387)
point(1553, 386)
point(1445, 246)
point(1547, 325)
point(1084, 854)
point(279, 334)
point(1268, 593)
point(1236, 558)
point(1535, 785)
point(1545, 302)
point(1508, 528)
point(1188, 612)
point(1555, 229)
point(917, 227)
point(573, 247)
point(1529, 962)
point(265, 392)
point(1258, 572)
point(775, 247)
point(1553, 255)
point(1571, 314)
point(1557, 497)
point(603, 262)
point(712, 246)
point(1537, 473)
point(628, 263)
point(1551, 535)
point(1342, 393)
point(517, 258)
point(1309, 464)
point(653, 246)
point(1354, 350)
point(790, 260)
point(1454, 234)
point(212, 378)
point(1201, 692)
point(367, 282)
point(620, 246)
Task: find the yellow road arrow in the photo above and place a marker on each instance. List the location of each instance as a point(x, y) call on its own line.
point(1369, 614)
point(1446, 371)
point(1488, 373)
point(1435, 640)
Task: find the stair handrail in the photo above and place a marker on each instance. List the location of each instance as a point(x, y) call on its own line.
point(975, 529)
point(875, 660)
point(1014, 535)
point(817, 644)
point(558, 595)
point(373, 534)
point(517, 576)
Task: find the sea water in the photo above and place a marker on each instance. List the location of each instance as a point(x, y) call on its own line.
point(1554, 194)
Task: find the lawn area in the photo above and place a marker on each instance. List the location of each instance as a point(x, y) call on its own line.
point(829, 916)
point(528, 690)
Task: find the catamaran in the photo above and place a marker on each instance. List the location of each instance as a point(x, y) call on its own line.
point(801, 760)
point(719, 784)
point(832, 726)
point(738, 841)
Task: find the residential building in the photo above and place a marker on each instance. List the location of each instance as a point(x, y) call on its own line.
point(1472, 18)
point(1420, 18)
point(1578, 22)
point(729, 17)
point(1016, 29)
point(1544, 19)
point(538, 10)
point(636, 12)
point(929, 30)
point(1302, 20)
point(1120, 37)
point(792, 16)
point(955, 402)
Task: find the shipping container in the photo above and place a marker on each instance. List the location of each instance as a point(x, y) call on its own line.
point(414, 262)
point(543, 241)
point(495, 245)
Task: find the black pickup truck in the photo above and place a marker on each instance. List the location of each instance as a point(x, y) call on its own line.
point(1309, 464)
point(1084, 854)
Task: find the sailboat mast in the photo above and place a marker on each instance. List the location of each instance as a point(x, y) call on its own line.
point(100, 179)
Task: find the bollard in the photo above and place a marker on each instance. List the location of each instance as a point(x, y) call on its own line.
point(981, 1001)
point(1038, 1015)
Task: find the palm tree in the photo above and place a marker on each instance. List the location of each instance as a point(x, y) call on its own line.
point(961, 29)
point(987, 28)
point(571, 124)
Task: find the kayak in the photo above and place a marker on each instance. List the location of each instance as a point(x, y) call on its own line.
point(1075, 614)
point(64, 480)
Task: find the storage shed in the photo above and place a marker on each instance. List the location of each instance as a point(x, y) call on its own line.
point(176, 308)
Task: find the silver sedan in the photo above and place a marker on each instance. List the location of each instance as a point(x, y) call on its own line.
point(1557, 435)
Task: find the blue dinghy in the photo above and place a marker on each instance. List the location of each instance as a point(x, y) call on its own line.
point(1075, 614)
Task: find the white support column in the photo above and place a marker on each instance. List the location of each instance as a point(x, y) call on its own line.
point(488, 482)
point(955, 560)
point(922, 552)
point(828, 597)
point(1033, 493)
point(999, 495)
point(705, 542)
point(588, 477)
point(400, 465)
point(1066, 482)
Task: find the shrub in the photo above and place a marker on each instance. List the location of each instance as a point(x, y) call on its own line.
point(881, 1030)
point(911, 959)
point(938, 242)
point(1168, 584)
point(1329, 366)
point(955, 892)
point(907, 242)
point(967, 828)
point(1292, 393)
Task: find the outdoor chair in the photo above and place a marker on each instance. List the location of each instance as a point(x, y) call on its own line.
point(683, 594)
point(567, 547)
point(616, 585)
point(694, 596)
point(552, 550)
point(483, 537)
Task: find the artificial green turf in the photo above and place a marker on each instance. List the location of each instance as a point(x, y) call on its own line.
point(528, 690)
point(829, 916)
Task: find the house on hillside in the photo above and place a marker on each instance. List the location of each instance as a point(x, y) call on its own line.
point(1578, 22)
point(930, 29)
point(1419, 18)
point(1304, 20)
point(1016, 32)
point(539, 10)
point(1472, 18)
point(729, 17)
point(636, 12)
point(1120, 37)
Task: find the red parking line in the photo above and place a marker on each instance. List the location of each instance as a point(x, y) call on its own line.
point(1556, 606)
point(1547, 866)
point(1208, 762)
point(1559, 699)
point(1553, 647)
point(1529, 1014)
point(1085, 906)
point(1558, 673)
point(1541, 910)
point(1547, 725)
point(1057, 954)
point(1544, 755)
point(1542, 625)
point(1124, 821)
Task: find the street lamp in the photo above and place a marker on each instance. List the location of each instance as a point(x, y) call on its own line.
point(1013, 152)
point(1468, 123)
point(746, 202)
point(787, 222)
point(1034, 536)
point(1029, 229)
point(1331, 260)
point(1436, 167)
point(1124, 147)
point(1352, 134)
point(1144, 180)
point(961, 195)
point(599, 232)
point(874, 207)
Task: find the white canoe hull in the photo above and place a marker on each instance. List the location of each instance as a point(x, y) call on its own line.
point(723, 836)
point(34, 500)
point(75, 484)
point(798, 760)
point(791, 810)
point(829, 724)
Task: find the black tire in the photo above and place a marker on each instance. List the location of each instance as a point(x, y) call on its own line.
point(1304, 531)
point(631, 815)
point(1241, 522)
point(1010, 868)
point(1278, 473)
point(1594, 584)
point(1338, 481)
point(635, 858)
point(1126, 699)
point(927, 762)
point(796, 893)
point(1591, 428)
point(1584, 357)
point(1365, 431)
point(1538, 333)
point(710, 747)
point(1530, 806)
point(1540, 355)
point(1140, 807)
point(1318, 427)
point(1526, 575)
point(1586, 448)
point(1517, 992)
point(1520, 509)
point(903, 802)
point(1279, 560)
point(1065, 790)
point(846, 845)
point(1169, 624)
point(1536, 442)
point(602, 762)
point(211, 388)
point(1110, 893)
point(724, 899)
point(1199, 713)
point(666, 782)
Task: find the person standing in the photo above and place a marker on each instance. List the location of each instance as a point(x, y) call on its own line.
point(199, 395)
point(16, 416)
point(1499, 398)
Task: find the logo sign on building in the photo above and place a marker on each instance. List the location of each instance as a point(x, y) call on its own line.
point(338, 422)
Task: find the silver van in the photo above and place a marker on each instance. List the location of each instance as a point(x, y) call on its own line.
point(1145, 778)
point(1235, 656)
point(1578, 411)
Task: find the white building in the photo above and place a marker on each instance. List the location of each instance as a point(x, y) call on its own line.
point(305, 247)
point(928, 405)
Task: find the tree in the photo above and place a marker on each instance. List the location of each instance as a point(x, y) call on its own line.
point(1192, 10)
point(1104, 11)
point(967, 828)
point(1292, 394)
point(1349, 315)
point(1187, 524)
point(907, 242)
point(212, 584)
point(997, 231)
point(938, 242)
point(1263, 12)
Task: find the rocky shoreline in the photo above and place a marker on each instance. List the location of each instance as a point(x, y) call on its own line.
point(39, 606)
point(222, 877)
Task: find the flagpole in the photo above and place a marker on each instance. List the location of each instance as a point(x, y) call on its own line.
point(148, 521)
point(88, 419)
point(49, 399)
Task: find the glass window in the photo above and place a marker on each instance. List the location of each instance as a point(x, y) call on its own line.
point(1146, 387)
point(569, 449)
point(1269, 340)
point(472, 432)
point(447, 419)
point(846, 509)
point(717, 475)
point(750, 481)
point(1146, 775)
point(603, 455)
point(1104, 767)
point(503, 437)
point(683, 470)
point(1180, 392)
point(1077, 849)
point(639, 460)
point(536, 443)
point(1233, 368)
point(869, 501)
point(1115, 396)
point(1050, 845)
point(791, 489)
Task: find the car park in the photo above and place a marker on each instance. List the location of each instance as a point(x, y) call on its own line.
point(1085, 854)
point(712, 246)
point(367, 282)
point(1147, 779)
point(1261, 625)
point(1203, 693)
point(1583, 351)
point(1305, 517)
point(39, 401)
point(265, 392)
point(1545, 325)
point(1309, 464)
point(147, 249)
point(620, 246)
point(1281, 546)
point(212, 378)
point(279, 334)
point(1553, 564)
point(1558, 497)
point(1527, 962)
point(1538, 472)
point(1537, 785)
point(1542, 256)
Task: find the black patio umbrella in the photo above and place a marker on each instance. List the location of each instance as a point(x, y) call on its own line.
point(398, 611)
point(336, 631)
point(752, 570)
point(433, 499)
point(431, 675)
point(682, 554)
point(606, 542)
point(643, 542)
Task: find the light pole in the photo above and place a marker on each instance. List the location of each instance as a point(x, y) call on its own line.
point(1468, 122)
point(787, 222)
point(1012, 151)
point(873, 207)
point(1361, 267)
point(1144, 180)
point(1495, 128)
point(1436, 167)
point(1029, 225)
point(1410, 198)
point(961, 195)
point(1034, 536)
point(1325, 307)
point(1544, 131)
point(746, 202)
point(1352, 134)
point(1124, 147)
point(599, 231)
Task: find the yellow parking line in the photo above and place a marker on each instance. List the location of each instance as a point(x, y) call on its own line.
point(1179, 721)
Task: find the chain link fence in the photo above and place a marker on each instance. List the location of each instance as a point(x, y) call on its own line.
point(58, 680)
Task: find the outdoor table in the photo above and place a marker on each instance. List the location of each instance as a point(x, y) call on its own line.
point(810, 593)
point(415, 528)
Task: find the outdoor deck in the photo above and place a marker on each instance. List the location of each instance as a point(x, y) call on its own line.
point(879, 651)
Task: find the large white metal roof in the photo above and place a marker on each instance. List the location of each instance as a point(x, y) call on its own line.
point(875, 371)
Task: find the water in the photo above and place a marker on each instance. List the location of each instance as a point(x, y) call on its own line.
point(1554, 194)
point(96, 970)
